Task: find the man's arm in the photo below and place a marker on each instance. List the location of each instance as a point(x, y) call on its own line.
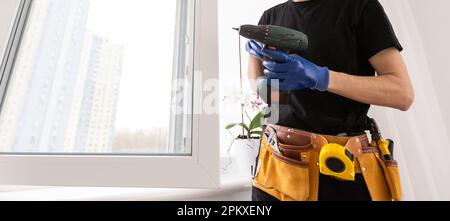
point(391, 88)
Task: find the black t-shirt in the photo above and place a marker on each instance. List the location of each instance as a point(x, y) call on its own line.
point(343, 35)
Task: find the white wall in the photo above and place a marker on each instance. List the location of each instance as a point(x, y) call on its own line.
point(433, 22)
point(422, 134)
point(8, 10)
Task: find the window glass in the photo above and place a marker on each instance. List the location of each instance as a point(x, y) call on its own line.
point(95, 76)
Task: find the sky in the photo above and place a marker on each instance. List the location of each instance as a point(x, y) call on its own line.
point(146, 31)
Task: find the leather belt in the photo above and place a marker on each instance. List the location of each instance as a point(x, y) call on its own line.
point(294, 142)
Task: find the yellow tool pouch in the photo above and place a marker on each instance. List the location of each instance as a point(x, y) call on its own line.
point(392, 176)
point(282, 177)
point(382, 177)
point(384, 185)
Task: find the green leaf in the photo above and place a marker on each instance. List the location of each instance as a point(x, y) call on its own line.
point(256, 122)
point(231, 126)
point(245, 127)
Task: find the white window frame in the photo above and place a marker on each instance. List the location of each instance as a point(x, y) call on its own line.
point(200, 170)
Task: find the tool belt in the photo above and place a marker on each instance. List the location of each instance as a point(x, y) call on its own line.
point(289, 164)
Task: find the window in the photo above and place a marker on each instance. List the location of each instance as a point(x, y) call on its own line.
point(116, 78)
point(109, 93)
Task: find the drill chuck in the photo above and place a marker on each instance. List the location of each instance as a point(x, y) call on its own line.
point(277, 37)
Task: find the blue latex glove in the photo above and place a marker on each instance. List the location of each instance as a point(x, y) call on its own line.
point(255, 49)
point(294, 72)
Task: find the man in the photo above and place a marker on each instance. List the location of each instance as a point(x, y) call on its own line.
point(353, 61)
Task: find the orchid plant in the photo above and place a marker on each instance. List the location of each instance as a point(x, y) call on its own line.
point(251, 125)
point(252, 114)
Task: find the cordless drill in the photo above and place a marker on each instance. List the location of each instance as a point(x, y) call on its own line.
point(277, 38)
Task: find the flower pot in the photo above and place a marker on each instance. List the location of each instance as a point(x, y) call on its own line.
point(243, 154)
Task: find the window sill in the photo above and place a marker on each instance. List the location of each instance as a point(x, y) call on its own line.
point(232, 189)
point(235, 190)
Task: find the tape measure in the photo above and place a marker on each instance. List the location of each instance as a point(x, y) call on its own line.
point(336, 161)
